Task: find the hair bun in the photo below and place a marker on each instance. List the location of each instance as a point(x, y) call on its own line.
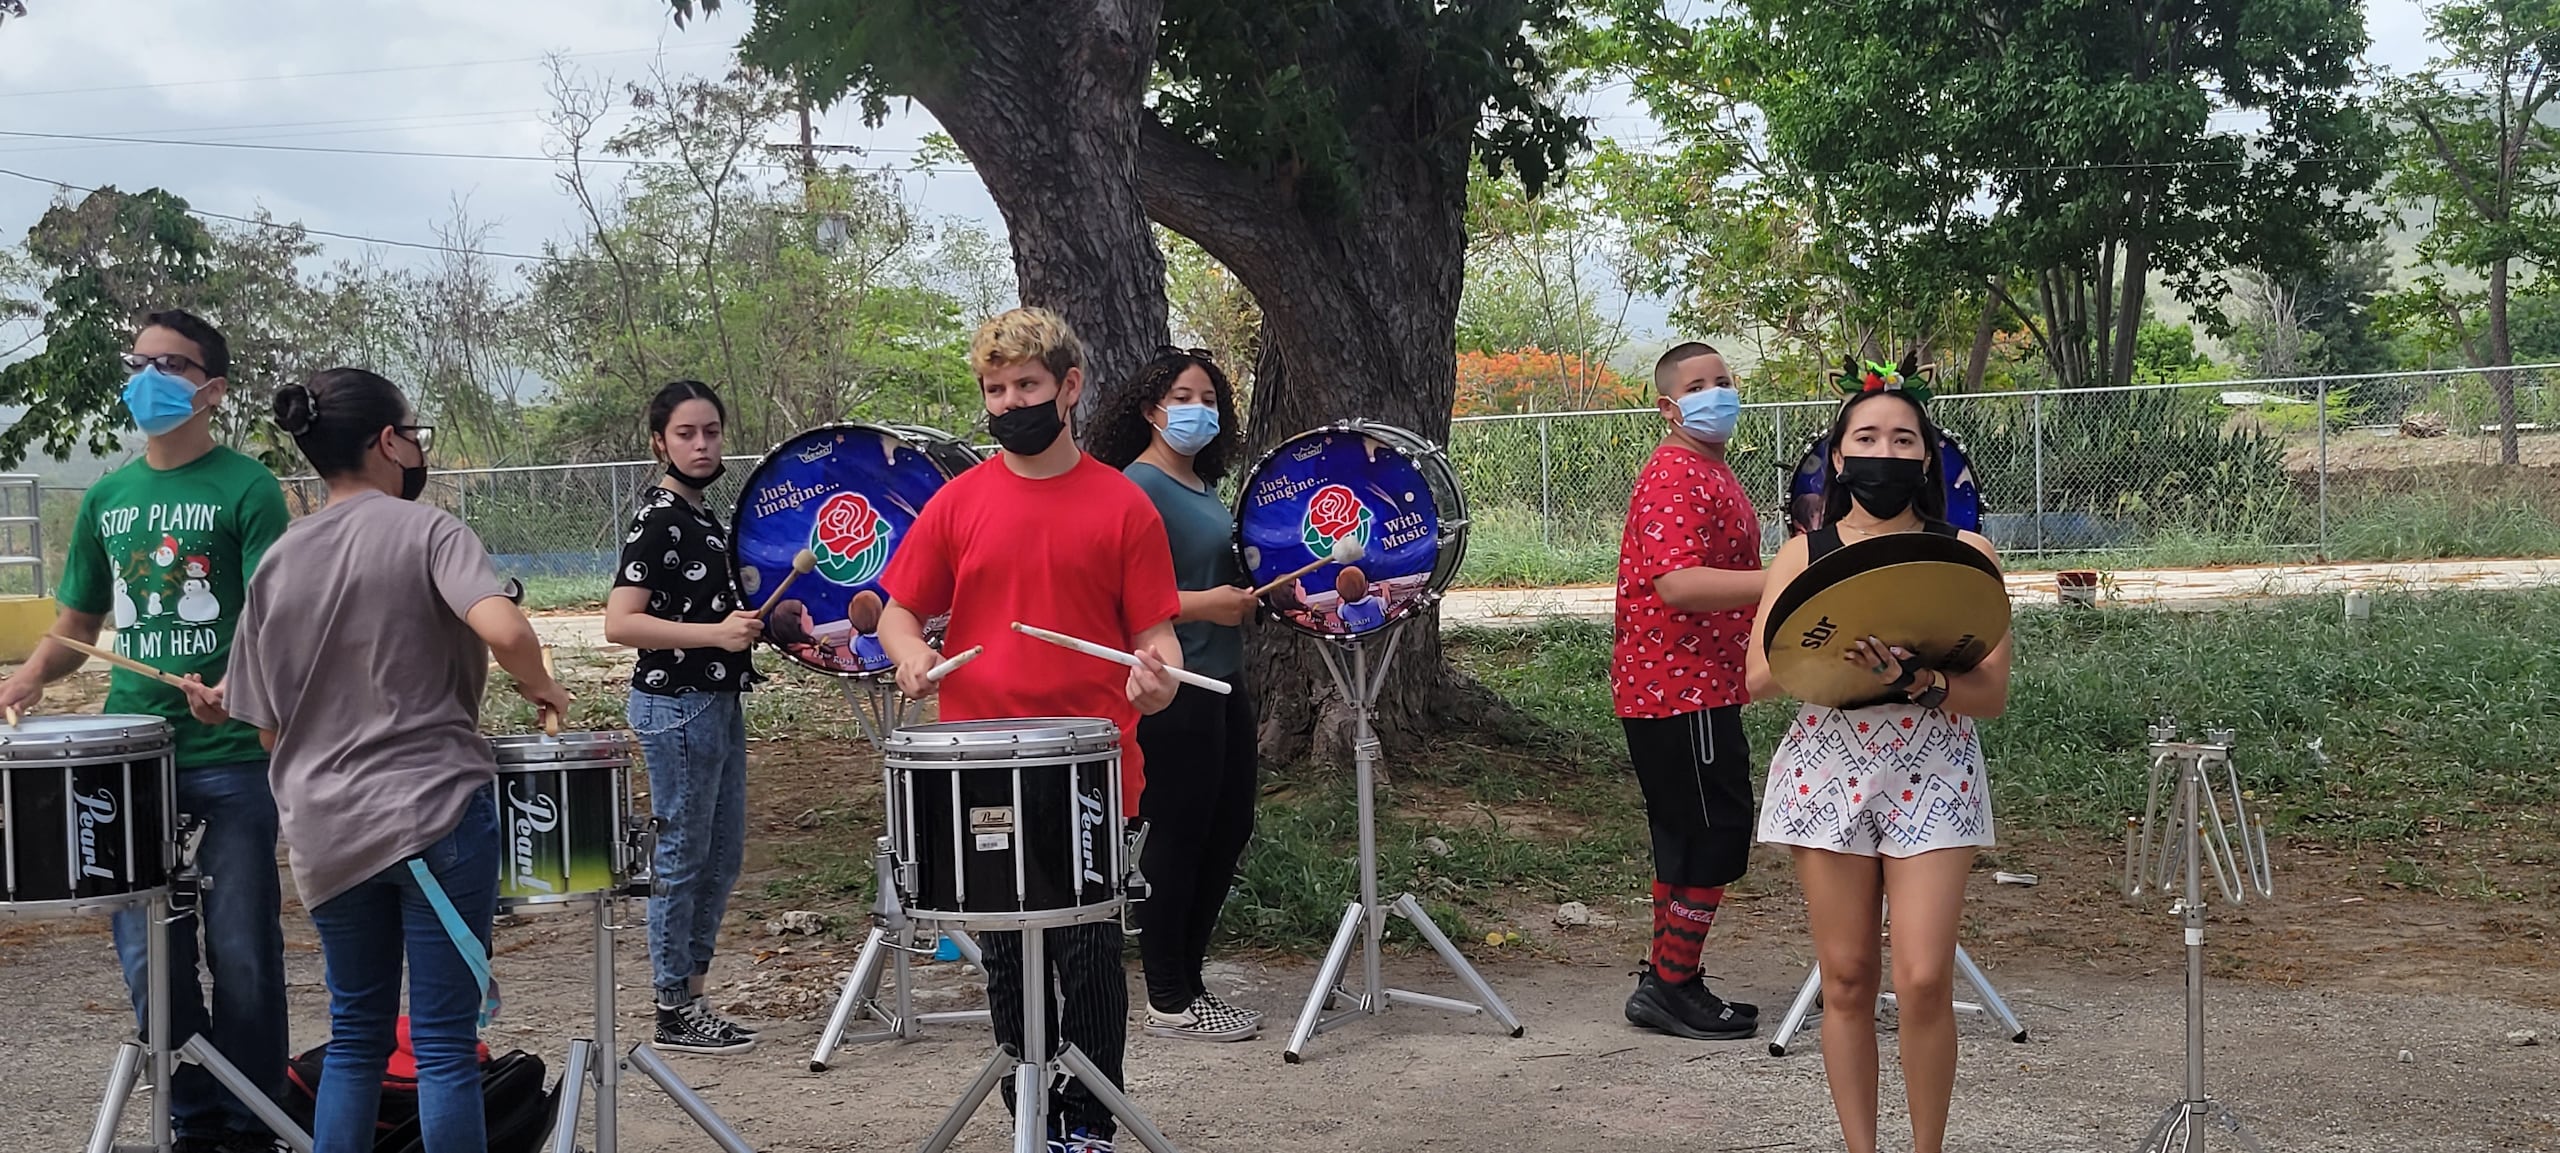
point(296, 409)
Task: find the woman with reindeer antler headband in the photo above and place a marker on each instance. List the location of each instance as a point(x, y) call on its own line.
point(1883, 800)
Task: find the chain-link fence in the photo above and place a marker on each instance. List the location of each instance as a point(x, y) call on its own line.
point(2376, 466)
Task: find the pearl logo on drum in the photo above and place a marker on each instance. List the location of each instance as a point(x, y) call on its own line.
point(97, 810)
point(1089, 816)
point(527, 817)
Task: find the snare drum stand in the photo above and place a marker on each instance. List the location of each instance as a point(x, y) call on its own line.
point(2193, 834)
point(1807, 1008)
point(152, 1058)
point(1365, 917)
point(892, 941)
point(593, 1065)
point(1032, 1078)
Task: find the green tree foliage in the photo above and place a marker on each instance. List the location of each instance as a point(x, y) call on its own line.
point(2051, 155)
point(2479, 164)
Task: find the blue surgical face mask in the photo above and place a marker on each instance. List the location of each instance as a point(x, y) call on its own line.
point(158, 401)
point(1711, 414)
point(1188, 428)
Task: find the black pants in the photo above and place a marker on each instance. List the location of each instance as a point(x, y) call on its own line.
point(1085, 973)
point(1695, 770)
point(1202, 782)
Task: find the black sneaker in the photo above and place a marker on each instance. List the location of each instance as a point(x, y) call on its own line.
point(1742, 1008)
point(249, 1143)
point(685, 1030)
point(1686, 1010)
point(720, 1020)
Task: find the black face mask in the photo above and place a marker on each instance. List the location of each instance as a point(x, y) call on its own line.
point(699, 483)
point(413, 481)
point(1883, 485)
point(1028, 431)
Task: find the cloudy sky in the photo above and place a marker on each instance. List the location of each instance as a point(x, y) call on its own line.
point(462, 79)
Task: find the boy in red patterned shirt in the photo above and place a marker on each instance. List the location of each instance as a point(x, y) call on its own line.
point(1688, 580)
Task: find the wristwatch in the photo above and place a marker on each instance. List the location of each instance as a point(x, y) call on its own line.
point(1935, 695)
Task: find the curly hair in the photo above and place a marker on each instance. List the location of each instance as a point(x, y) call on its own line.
point(1123, 432)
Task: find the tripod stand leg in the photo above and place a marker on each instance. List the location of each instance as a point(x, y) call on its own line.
point(968, 947)
point(1030, 1107)
point(121, 1077)
point(1328, 977)
point(859, 988)
point(1083, 1070)
point(1991, 999)
point(998, 1068)
point(655, 1067)
point(1411, 910)
point(202, 1052)
point(1798, 1013)
point(573, 1097)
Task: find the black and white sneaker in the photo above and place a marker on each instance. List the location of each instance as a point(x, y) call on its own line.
point(1203, 1020)
point(685, 1029)
point(702, 1004)
point(1220, 1004)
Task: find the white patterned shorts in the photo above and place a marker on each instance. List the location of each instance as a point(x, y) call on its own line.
point(1896, 780)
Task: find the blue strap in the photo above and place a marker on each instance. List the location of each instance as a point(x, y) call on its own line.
point(464, 942)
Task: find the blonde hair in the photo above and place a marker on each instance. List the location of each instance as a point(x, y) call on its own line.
point(1010, 338)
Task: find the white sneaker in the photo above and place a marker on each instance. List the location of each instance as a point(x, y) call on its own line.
point(1205, 1020)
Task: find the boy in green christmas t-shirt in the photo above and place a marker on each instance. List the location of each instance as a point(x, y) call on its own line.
point(165, 546)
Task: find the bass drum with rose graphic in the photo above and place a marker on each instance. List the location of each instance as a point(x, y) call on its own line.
point(848, 493)
point(1391, 490)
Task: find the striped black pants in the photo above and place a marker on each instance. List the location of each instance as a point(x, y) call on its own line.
point(1087, 978)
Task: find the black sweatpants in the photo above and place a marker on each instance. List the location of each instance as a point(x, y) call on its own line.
point(1695, 770)
point(1202, 783)
point(1086, 974)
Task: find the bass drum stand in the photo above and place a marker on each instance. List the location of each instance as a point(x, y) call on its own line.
point(152, 1059)
point(2183, 829)
point(593, 1064)
point(894, 938)
point(1366, 919)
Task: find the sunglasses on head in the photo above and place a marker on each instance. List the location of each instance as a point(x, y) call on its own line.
point(168, 362)
point(1200, 354)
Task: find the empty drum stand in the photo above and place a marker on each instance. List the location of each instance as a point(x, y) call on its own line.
point(893, 940)
point(2193, 835)
point(1807, 1008)
point(1366, 918)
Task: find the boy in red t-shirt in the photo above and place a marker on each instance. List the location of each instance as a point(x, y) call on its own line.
point(1045, 535)
point(1688, 580)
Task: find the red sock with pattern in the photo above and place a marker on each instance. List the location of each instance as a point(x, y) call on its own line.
point(1682, 916)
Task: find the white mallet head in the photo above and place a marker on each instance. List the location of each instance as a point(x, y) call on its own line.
point(1347, 550)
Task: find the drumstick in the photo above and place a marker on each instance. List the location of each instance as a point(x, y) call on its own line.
point(801, 562)
point(1345, 551)
point(936, 673)
point(13, 716)
point(122, 662)
point(550, 718)
point(1091, 649)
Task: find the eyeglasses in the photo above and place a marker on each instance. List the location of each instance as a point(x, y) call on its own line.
point(168, 362)
point(422, 435)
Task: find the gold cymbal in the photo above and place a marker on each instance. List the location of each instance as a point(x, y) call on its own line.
point(1935, 596)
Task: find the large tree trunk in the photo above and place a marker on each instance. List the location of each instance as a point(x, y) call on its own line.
point(1048, 114)
point(2137, 272)
point(1359, 318)
point(2502, 352)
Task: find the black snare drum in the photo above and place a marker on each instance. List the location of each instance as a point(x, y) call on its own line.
point(88, 816)
point(1008, 824)
point(563, 810)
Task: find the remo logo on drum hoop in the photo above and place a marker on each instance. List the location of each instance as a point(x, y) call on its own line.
point(848, 493)
point(1386, 490)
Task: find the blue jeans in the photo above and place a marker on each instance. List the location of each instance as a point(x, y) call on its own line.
point(695, 746)
point(363, 934)
point(243, 949)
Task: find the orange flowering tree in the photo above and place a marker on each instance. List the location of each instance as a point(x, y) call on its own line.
point(1535, 380)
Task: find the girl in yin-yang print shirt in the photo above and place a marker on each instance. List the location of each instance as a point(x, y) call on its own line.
point(675, 599)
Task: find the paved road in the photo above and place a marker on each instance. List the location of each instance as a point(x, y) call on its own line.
point(2168, 588)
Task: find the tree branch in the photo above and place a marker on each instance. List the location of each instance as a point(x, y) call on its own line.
point(2452, 161)
point(1188, 189)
